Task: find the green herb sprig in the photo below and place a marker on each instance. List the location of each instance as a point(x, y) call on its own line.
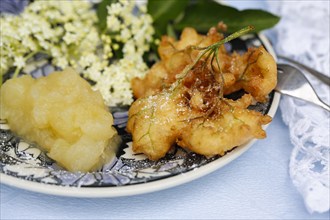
point(212, 52)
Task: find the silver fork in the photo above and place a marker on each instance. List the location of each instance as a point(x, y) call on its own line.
point(310, 70)
point(291, 81)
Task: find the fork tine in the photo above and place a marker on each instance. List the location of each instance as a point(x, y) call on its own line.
point(314, 72)
point(293, 83)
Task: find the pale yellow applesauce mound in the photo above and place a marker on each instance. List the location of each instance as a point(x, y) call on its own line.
point(63, 115)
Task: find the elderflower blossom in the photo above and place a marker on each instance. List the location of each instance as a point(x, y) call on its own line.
point(66, 31)
point(132, 34)
point(19, 61)
point(42, 27)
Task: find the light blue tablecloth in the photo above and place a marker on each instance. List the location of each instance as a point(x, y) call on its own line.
point(257, 185)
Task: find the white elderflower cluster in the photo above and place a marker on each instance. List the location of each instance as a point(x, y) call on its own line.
point(64, 30)
point(67, 32)
point(129, 32)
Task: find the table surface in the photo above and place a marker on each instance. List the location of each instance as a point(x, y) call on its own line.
point(257, 185)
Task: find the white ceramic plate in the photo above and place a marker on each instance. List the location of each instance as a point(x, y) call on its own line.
point(24, 166)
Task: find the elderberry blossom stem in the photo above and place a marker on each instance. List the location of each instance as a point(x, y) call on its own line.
point(213, 50)
point(19, 68)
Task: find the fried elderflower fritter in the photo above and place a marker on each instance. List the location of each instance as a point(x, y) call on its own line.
point(253, 71)
point(192, 111)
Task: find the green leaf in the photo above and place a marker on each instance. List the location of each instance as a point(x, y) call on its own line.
point(102, 13)
point(260, 19)
point(206, 14)
point(164, 12)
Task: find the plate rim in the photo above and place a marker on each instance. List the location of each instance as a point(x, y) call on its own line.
point(148, 187)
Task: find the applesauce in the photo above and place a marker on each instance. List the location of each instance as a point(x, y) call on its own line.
point(63, 115)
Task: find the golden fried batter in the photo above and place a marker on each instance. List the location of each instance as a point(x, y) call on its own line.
point(253, 71)
point(188, 113)
point(175, 56)
point(259, 77)
point(181, 100)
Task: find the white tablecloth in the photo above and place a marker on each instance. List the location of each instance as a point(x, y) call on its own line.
point(257, 185)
